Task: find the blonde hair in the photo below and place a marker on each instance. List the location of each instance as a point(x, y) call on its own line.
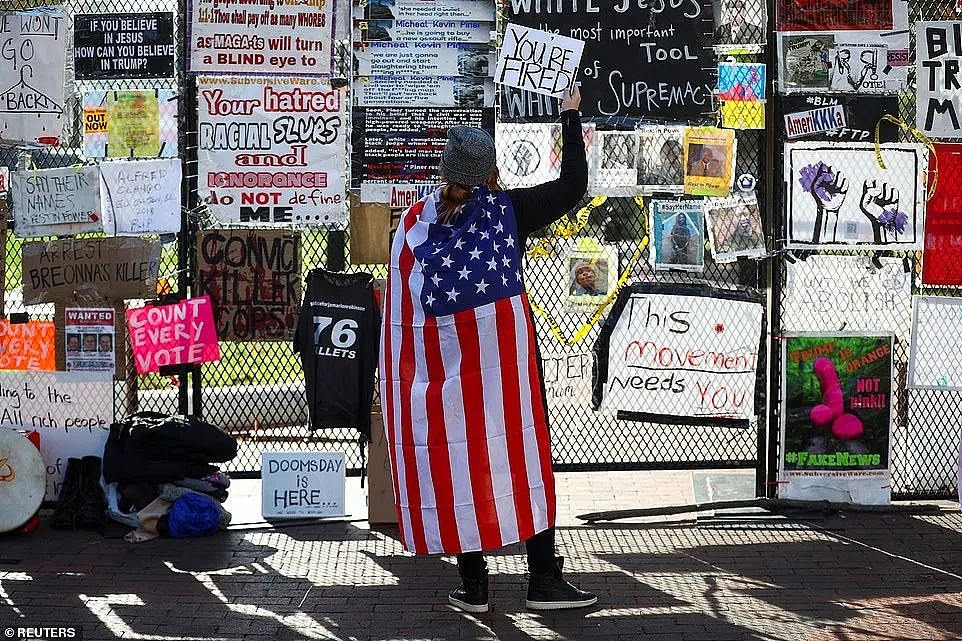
point(453, 196)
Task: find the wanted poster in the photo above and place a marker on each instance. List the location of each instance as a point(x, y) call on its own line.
point(90, 336)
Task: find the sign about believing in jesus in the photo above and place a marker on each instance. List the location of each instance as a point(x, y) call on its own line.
point(938, 70)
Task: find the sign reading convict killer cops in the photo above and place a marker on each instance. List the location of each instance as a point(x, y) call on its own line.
point(111, 46)
point(272, 149)
point(252, 277)
point(680, 352)
point(937, 66)
point(650, 60)
point(237, 36)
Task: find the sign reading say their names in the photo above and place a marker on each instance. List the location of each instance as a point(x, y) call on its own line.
point(90, 270)
point(302, 484)
point(71, 410)
point(110, 46)
point(163, 335)
point(141, 196)
point(538, 61)
point(937, 60)
point(56, 202)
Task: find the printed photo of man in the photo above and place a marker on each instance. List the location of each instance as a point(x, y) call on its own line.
point(740, 24)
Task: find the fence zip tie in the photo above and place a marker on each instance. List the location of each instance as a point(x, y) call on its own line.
point(566, 229)
point(582, 331)
point(933, 173)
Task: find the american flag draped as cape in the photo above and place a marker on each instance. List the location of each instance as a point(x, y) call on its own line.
point(460, 390)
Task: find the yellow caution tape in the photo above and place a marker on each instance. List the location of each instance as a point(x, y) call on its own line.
point(566, 229)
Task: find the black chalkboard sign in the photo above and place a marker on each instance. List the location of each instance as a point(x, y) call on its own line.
point(110, 46)
point(643, 59)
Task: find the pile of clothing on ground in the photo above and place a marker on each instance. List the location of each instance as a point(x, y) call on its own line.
point(160, 476)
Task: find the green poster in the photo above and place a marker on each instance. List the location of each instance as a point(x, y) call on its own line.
point(838, 398)
point(133, 124)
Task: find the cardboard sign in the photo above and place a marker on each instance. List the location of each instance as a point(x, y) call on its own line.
point(54, 202)
point(302, 484)
point(111, 46)
point(27, 346)
point(163, 335)
point(141, 196)
point(90, 270)
point(253, 279)
point(937, 59)
point(538, 61)
point(837, 419)
point(32, 75)
point(71, 410)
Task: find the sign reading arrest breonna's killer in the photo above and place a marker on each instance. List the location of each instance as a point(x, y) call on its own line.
point(272, 149)
point(646, 60)
point(90, 270)
point(675, 351)
point(238, 36)
point(56, 202)
point(538, 61)
point(252, 277)
point(937, 67)
point(112, 46)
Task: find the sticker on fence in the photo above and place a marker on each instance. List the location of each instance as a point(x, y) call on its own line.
point(677, 235)
point(178, 334)
point(141, 196)
point(691, 354)
point(56, 202)
point(235, 36)
point(538, 61)
point(32, 64)
point(253, 280)
point(113, 46)
point(71, 410)
point(837, 417)
point(839, 196)
point(709, 161)
point(735, 228)
point(825, 293)
point(90, 270)
point(423, 59)
point(89, 335)
point(27, 346)
point(272, 150)
point(937, 63)
point(130, 124)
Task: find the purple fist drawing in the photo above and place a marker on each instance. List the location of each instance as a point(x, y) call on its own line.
point(828, 188)
point(879, 203)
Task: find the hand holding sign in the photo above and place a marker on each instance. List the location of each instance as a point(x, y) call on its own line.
point(538, 61)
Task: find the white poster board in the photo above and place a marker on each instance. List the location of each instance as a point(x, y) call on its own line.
point(937, 62)
point(280, 157)
point(140, 196)
point(567, 378)
point(684, 355)
point(934, 354)
point(71, 410)
point(56, 202)
point(234, 36)
point(538, 61)
point(839, 196)
point(32, 64)
point(302, 484)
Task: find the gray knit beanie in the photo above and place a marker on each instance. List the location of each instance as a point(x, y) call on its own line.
point(469, 157)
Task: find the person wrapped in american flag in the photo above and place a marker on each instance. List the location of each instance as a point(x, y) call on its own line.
point(461, 389)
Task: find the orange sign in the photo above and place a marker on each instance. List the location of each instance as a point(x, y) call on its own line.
point(27, 346)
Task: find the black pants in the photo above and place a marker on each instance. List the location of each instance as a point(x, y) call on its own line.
point(540, 556)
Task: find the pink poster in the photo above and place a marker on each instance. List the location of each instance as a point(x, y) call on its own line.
point(162, 335)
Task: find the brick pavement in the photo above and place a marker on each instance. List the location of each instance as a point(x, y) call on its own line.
point(732, 578)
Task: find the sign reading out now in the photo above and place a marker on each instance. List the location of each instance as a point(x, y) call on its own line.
point(163, 335)
point(538, 61)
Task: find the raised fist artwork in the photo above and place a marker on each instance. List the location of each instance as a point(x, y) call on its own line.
point(828, 188)
point(879, 203)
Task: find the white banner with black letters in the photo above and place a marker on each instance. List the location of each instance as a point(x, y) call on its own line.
point(938, 55)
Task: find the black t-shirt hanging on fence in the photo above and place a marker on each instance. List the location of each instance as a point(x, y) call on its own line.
point(337, 338)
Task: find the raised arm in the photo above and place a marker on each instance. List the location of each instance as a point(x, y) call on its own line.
point(536, 207)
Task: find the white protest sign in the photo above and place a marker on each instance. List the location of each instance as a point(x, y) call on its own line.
point(935, 355)
point(302, 484)
point(684, 355)
point(937, 59)
point(32, 63)
point(538, 61)
point(71, 410)
point(56, 202)
point(141, 196)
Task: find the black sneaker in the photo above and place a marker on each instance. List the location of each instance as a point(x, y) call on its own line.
point(549, 591)
point(471, 595)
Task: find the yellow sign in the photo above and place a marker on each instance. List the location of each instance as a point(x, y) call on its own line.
point(134, 123)
point(742, 114)
point(709, 161)
point(95, 120)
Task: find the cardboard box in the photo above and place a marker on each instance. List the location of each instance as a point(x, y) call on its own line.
point(380, 485)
